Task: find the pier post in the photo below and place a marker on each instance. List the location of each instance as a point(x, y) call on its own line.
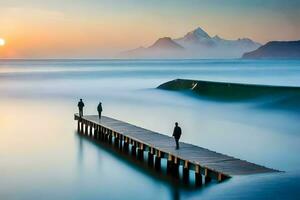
point(133, 148)
point(122, 146)
point(140, 152)
point(169, 164)
point(81, 127)
point(86, 129)
point(157, 162)
point(126, 145)
point(104, 135)
point(198, 176)
point(116, 140)
point(175, 167)
point(207, 178)
point(186, 172)
point(91, 129)
point(78, 126)
point(150, 157)
point(110, 137)
point(220, 177)
point(101, 133)
point(95, 132)
point(121, 142)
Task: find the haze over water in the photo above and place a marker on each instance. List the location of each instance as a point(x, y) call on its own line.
point(42, 157)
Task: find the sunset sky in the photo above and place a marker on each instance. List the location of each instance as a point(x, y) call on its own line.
point(100, 28)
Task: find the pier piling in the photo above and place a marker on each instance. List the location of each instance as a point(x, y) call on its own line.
point(157, 161)
point(186, 172)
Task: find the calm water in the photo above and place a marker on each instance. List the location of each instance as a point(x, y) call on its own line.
point(42, 157)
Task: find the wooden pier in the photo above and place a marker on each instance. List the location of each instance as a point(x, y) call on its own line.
point(138, 141)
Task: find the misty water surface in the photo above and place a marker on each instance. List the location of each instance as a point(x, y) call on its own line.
point(42, 157)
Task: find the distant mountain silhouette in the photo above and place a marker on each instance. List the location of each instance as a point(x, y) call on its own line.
point(195, 44)
point(163, 47)
point(166, 43)
point(276, 49)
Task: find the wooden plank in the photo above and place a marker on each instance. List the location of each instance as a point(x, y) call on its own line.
point(196, 155)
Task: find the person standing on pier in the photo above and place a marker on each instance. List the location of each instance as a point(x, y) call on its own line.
point(177, 134)
point(99, 108)
point(80, 107)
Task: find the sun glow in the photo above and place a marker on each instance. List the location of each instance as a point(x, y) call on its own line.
point(2, 42)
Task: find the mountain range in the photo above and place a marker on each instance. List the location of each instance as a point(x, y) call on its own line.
point(194, 44)
point(276, 49)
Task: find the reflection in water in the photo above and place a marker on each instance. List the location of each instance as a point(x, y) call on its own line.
point(141, 167)
point(80, 150)
point(176, 193)
point(132, 162)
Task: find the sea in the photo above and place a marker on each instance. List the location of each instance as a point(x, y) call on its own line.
point(43, 157)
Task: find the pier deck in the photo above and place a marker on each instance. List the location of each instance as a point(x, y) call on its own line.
point(205, 162)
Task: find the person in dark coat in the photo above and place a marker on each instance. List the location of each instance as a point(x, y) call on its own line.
point(80, 107)
point(99, 108)
point(177, 134)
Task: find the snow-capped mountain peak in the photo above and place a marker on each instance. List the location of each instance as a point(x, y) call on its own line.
point(200, 33)
point(195, 36)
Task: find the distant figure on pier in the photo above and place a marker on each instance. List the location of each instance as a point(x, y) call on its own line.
point(99, 108)
point(80, 107)
point(177, 134)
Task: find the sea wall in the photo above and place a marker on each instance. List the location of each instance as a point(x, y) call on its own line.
point(229, 91)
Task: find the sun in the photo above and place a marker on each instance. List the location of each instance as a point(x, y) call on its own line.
point(2, 42)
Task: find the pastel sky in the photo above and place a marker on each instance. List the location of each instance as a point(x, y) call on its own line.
point(99, 28)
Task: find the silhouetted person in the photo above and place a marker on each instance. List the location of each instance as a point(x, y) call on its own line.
point(80, 107)
point(99, 108)
point(177, 134)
